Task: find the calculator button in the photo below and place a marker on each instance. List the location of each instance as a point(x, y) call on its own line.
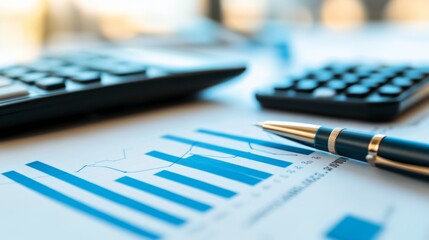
point(390, 91)
point(31, 78)
point(5, 82)
point(284, 86)
point(340, 69)
point(387, 73)
point(15, 72)
point(306, 85)
point(350, 79)
point(364, 71)
point(399, 69)
point(324, 92)
point(424, 70)
point(402, 82)
point(86, 77)
point(357, 91)
point(370, 83)
point(378, 78)
point(414, 75)
point(13, 91)
point(337, 85)
point(323, 76)
point(51, 83)
point(68, 71)
point(362, 75)
point(124, 70)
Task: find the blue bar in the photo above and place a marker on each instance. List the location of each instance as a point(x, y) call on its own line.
point(232, 167)
point(168, 195)
point(192, 182)
point(106, 193)
point(234, 152)
point(258, 141)
point(77, 205)
point(203, 166)
point(354, 228)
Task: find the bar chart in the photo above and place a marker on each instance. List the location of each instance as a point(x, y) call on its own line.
point(241, 174)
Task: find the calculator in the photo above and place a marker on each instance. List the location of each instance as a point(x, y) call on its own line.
point(62, 85)
point(371, 92)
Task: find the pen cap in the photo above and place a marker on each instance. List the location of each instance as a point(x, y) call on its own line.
point(393, 154)
point(404, 151)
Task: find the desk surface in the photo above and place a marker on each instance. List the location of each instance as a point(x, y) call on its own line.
point(385, 201)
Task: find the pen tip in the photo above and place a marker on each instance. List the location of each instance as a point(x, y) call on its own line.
point(261, 125)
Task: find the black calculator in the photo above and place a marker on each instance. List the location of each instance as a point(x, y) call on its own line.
point(373, 92)
point(58, 86)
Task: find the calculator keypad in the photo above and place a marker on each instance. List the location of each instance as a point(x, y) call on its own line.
point(373, 92)
point(353, 81)
point(63, 73)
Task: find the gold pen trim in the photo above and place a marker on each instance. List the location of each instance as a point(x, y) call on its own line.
point(332, 139)
point(373, 147)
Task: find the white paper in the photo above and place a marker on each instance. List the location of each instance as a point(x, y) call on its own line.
point(305, 200)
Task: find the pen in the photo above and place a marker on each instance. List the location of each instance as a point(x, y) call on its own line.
point(388, 153)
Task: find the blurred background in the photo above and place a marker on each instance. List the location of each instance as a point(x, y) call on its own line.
point(26, 26)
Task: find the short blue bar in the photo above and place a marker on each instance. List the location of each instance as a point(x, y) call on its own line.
point(200, 185)
point(203, 166)
point(354, 228)
point(168, 195)
point(234, 152)
point(258, 141)
point(77, 205)
point(106, 193)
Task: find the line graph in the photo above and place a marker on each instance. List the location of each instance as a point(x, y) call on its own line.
point(94, 165)
point(252, 144)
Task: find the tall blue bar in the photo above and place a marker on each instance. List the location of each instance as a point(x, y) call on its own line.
point(257, 141)
point(106, 193)
point(233, 152)
point(200, 185)
point(204, 166)
point(79, 206)
point(168, 195)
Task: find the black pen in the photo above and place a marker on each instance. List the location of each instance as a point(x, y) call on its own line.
point(393, 154)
